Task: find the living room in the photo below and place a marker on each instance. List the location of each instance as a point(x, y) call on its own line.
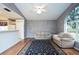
point(45, 23)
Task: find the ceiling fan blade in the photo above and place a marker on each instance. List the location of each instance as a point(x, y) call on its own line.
point(37, 7)
point(43, 10)
point(42, 6)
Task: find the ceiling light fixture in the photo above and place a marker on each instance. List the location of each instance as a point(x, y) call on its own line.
point(40, 9)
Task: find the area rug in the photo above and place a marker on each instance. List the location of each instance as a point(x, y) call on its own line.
point(41, 47)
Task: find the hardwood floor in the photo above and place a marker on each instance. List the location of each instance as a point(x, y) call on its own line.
point(14, 50)
point(71, 51)
point(65, 51)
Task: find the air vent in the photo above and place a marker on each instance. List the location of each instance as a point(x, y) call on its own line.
point(7, 9)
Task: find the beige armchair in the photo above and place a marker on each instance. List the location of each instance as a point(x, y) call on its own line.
point(64, 40)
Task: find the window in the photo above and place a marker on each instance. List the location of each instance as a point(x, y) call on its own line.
point(72, 22)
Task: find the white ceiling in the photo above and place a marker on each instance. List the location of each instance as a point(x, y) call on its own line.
point(5, 14)
point(53, 10)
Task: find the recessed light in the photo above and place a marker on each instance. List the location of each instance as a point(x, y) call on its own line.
point(7, 9)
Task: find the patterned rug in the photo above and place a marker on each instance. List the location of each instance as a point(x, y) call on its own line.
point(41, 47)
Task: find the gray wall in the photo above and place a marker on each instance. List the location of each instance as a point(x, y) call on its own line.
point(60, 20)
point(34, 26)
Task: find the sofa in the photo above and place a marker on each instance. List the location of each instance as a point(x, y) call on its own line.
point(64, 40)
point(42, 35)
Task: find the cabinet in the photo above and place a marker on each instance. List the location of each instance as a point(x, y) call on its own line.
point(8, 24)
point(11, 24)
point(3, 23)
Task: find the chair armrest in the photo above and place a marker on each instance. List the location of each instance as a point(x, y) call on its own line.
point(67, 39)
point(56, 37)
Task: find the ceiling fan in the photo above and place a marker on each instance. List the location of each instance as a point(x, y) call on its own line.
point(40, 9)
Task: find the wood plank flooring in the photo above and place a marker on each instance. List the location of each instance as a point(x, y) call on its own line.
point(71, 51)
point(65, 51)
point(14, 50)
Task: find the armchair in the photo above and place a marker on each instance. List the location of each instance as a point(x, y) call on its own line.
point(64, 40)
